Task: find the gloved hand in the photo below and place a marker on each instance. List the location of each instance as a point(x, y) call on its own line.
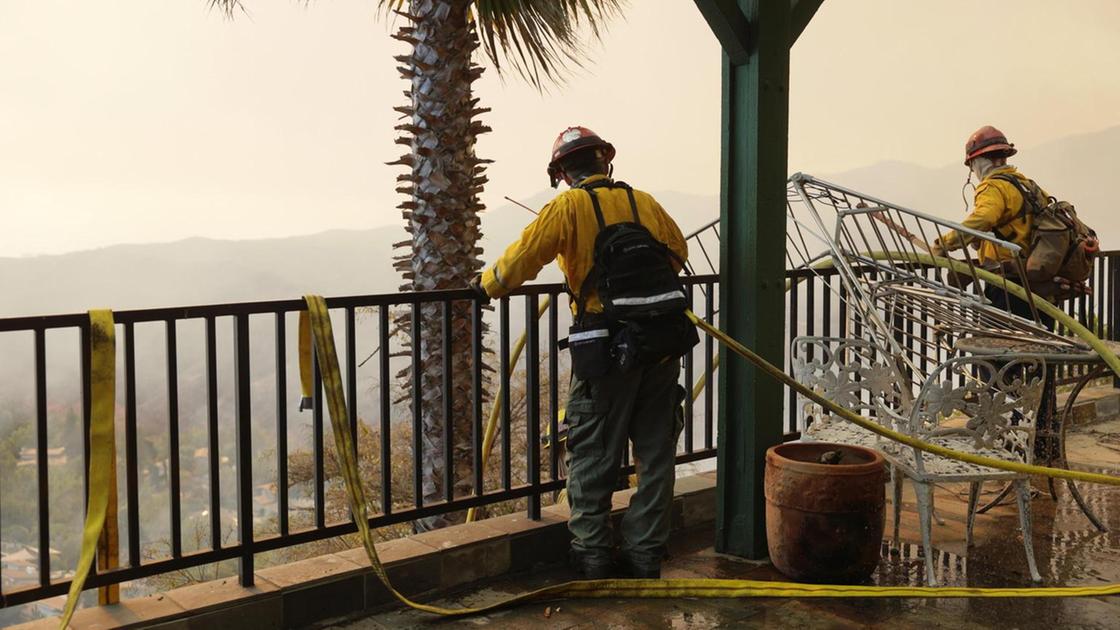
point(475, 285)
point(936, 249)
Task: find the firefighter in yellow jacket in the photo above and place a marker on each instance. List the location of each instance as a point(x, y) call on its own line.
point(999, 208)
point(602, 414)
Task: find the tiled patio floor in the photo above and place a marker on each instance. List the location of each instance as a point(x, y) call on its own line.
point(1068, 549)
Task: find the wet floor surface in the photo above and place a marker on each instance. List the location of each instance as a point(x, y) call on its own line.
point(1069, 551)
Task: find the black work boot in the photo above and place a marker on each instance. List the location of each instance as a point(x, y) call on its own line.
point(592, 567)
point(641, 570)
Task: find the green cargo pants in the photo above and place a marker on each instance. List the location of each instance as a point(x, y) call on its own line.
point(602, 414)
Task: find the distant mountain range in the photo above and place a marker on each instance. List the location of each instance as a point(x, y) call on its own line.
point(204, 271)
point(338, 262)
point(1077, 168)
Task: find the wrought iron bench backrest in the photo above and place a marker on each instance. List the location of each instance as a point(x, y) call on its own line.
point(995, 407)
point(853, 373)
point(992, 404)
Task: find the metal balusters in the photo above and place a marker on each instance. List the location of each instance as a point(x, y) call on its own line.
point(384, 416)
point(553, 386)
point(244, 446)
point(532, 403)
point(282, 422)
point(447, 397)
point(41, 443)
point(504, 365)
point(1102, 327)
point(417, 421)
point(826, 305)
point(810, 302)
point(791, 333)
point(174, 470)
point(212, 432)
point(318, 441)
point(689, 405)
point(1113, 304)
point(131, 464)
point(923, 358)
point(1113, 297)
point(477, 430)
point(709, 371)
point(1092, 316)
point(352, 377)
point(87, 410)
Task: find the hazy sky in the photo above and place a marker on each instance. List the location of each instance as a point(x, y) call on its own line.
point(139, 121)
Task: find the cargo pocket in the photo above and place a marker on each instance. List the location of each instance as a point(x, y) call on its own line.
point(586, 422)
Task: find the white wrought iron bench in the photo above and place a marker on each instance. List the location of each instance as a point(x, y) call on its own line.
point(967, 404)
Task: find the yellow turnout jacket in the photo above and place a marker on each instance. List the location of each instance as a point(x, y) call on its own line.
point(997, 205)
point(566, 229)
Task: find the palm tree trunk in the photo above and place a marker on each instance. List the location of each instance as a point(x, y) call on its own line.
point(442, 215)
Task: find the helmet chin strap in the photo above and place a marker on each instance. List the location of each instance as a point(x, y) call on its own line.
point(979, 166)
point(964, 195)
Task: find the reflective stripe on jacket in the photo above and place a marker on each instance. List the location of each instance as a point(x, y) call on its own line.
point(565, 230)
point(997, 205)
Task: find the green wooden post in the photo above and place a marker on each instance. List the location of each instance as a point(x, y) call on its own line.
point(755, 36)
point(752, 266)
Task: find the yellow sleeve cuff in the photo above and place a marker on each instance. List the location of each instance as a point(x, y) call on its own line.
point(493, 283)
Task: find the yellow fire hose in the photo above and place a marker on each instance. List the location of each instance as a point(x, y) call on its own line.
point(306, 376)
point(103, 379)
point(328, 361)
point(102, 442)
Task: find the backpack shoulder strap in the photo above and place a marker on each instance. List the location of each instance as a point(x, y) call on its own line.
point(633, 204)
point(588, 280)
point(1029, 196)
point(597, 208)
point(1030, 201)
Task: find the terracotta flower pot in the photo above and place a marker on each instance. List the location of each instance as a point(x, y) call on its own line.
point(824, 522)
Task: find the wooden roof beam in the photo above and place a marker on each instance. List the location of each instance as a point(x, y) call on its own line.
point(801, 13)
point(730, 26)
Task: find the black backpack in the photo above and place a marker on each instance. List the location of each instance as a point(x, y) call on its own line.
point(632, 271)
point(641, 293)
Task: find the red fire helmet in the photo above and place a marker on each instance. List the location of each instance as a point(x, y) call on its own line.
point(571, 140)
point(987, 139)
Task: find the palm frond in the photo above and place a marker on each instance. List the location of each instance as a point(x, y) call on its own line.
point(229, 7)
point(541, 39)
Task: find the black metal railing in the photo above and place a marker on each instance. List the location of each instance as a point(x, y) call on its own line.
point(1098, 311)
point(248, 382)
point(239, 369)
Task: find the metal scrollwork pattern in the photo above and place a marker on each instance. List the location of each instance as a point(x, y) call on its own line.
point(968, 404)
point(993, 412)
point(850, 372)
